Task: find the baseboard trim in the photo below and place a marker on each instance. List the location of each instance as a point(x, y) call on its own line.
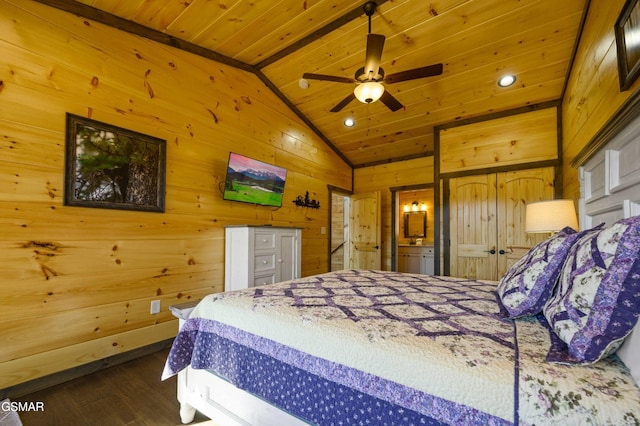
point(45, 382)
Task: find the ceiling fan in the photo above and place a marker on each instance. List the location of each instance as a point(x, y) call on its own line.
point(369, 79)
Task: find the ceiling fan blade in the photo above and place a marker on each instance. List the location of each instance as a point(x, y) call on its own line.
point(392, 103)
point(343, 103)
point(328, 78)
point(375, 44)
point(415, 73)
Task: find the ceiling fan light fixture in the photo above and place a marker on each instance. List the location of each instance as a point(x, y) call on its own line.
point(368, 92)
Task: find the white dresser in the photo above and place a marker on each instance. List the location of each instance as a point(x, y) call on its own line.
point(416, 259)
point(258, 255)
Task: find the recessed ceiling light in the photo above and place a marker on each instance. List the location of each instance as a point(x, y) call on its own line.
point(507, 80)
point(349, 122)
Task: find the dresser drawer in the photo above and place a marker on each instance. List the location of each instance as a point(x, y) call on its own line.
point(264, 280)
point(264, 262)
point(264, 241)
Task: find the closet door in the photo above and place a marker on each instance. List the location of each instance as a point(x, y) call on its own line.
point(487, 216)
point(515, 190)
point(472, 210)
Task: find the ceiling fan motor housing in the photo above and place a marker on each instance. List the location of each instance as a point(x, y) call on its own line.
point(362, 76)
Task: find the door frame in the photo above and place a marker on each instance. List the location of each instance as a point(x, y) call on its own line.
point(343, 192)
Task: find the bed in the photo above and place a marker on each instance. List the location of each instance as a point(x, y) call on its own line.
point(353, 347)
point(555, 341)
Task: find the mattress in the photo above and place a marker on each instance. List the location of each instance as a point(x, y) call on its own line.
point(374, 347)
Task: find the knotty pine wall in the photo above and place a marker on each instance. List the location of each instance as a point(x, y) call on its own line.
point(593, 90)
point(381, 178)
point(77, 283)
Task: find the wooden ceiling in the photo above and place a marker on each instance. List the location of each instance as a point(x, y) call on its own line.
point(477, 41)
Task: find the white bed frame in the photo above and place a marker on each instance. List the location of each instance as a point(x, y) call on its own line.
point(610, 190)
point(222, 402)
point(610, 180)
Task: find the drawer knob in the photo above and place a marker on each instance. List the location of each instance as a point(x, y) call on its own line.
point(265, 262)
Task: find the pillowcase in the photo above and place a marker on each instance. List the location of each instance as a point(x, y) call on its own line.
point(528, 284)
point(598, 296)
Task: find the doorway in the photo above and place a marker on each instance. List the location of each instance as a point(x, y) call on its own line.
point(339, 229)
point(413, 204)
point(355, 230)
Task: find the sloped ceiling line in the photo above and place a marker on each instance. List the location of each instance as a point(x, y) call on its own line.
point(89, 12)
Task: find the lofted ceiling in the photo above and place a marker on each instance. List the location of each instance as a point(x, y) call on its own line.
point(477, 41)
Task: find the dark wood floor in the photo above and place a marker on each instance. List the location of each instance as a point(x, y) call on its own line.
point(126, 394)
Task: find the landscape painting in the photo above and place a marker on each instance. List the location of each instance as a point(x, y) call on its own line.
point(252, 181)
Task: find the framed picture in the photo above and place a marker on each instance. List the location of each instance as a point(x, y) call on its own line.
point(627, 30)
point(111, 167)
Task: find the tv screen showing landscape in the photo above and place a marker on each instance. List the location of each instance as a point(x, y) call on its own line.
point(252, 181)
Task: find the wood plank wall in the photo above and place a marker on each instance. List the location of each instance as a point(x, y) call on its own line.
point(385, 176)
point(514, 139)
point(77, 283)
point(593, 92)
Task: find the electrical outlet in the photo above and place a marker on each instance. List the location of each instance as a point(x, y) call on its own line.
point(155, 307)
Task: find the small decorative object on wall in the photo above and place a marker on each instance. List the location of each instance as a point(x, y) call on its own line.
point(627, 29)
point(306, 201)
point(111, 167)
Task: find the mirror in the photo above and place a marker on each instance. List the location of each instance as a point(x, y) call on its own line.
point(415, 224)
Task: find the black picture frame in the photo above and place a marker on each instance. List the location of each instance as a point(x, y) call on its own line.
point(626, 29)
point(113, 168)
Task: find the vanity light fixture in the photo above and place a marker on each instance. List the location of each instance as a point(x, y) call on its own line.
point(506, 80)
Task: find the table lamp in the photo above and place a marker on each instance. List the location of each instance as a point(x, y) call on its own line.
point(550, 216)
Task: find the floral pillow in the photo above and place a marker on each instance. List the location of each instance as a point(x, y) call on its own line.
point(597, 302)
point(528, 284)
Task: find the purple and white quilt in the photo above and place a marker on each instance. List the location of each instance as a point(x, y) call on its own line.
point(373, 347)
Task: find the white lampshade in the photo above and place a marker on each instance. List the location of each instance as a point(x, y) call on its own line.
point(369, 91)
point(550, 216)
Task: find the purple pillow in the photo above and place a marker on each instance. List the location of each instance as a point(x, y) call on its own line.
point(528, 284)
point(597, 302)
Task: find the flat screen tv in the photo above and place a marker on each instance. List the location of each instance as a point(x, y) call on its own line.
point(252, 181)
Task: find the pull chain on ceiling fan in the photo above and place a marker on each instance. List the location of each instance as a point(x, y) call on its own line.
point(370, 78)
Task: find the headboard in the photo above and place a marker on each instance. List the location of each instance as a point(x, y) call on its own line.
point(610, 180)
point(609, 191)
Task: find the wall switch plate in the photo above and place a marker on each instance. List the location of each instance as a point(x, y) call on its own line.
point(155, 307)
